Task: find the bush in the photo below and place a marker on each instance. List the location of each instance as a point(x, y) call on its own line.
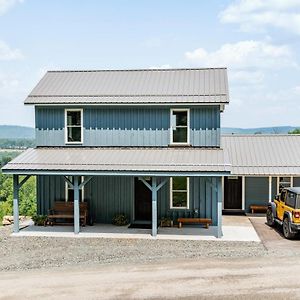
point(120, 220)
point(39, 220)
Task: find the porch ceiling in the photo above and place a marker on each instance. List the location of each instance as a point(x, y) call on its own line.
point(121, 161)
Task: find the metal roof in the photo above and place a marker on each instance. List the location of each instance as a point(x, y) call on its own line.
point(147, 86)
point(295, 190)
point(93, 160)
point(263, 154)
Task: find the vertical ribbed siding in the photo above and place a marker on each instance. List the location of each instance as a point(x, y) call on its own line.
point(128, 126)
point(203, 198)
point(107, 196)
point(257, 191)
point(49, 189)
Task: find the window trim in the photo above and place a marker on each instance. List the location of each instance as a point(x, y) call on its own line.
point(67, 188)
point(187, 193)
point(66, 125)
point(188, 126)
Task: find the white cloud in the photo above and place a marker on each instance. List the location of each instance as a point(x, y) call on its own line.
point(6, 5)
point(6, 53)
point(256, 15)
point(244, 54)
point(250, 77)
point(165, 66)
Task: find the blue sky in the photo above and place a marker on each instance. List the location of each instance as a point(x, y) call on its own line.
point(259, 42)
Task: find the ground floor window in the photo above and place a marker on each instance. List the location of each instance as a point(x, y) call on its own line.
point(179, 192)
point(70, 192)
point(283, 182)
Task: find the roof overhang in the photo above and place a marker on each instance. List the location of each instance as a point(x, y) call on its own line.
point(120, 162)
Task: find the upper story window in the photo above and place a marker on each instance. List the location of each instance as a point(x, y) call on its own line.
point(180, 123)
point(73, 126)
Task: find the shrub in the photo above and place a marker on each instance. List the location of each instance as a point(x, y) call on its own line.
point(120, 220)
point(39, 220)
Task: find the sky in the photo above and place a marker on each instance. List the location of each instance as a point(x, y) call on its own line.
point(257, 40)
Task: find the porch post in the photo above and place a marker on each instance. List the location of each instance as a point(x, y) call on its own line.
point(154, 206)
point(270, 188)
point(243, 193)
point(16, 202)
point(219, 208)
point(76, 205)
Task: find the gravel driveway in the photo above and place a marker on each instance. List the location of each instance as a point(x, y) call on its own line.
point(19, 253)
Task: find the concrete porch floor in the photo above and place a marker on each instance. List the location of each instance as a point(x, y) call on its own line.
point(235, 228)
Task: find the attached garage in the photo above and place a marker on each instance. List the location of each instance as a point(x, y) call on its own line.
point(261, 166)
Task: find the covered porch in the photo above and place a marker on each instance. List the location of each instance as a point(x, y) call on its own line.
point(156, 164)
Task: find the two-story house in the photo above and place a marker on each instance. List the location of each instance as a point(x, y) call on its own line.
point(145, 143)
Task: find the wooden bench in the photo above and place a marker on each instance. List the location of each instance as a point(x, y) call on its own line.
point(65, 211)
point(258, 208)
point(203, 221)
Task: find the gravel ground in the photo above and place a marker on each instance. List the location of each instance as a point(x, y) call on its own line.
point(21, 253)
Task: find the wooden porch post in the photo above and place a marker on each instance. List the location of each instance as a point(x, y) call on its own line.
point(219, 208)
point(154, 206)
point(76, 206)
point(16, 202)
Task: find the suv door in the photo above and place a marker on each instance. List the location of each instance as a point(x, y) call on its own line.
point(281, 205)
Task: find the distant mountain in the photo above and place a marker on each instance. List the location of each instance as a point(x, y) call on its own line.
point(16, 132)
point(260, 130)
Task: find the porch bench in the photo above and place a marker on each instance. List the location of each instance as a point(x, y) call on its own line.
point(65, 211)
point(258, 208)
point(203, 221)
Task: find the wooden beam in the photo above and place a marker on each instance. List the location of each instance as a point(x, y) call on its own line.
point(16, 202)
point(219, 209)
point(154, 206)
point(86, 180)
point(68, 181)
point(76, 206)
point(24, 180)
point(146, 183)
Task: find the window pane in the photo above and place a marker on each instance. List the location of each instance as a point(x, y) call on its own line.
point(179, 199)
point(180, 135)
point(181, 118)
point(179, 183)
point(73, 117)
point(74, 134)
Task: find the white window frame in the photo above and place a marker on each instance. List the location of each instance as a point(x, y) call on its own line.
point(66, 125)
point(67, 188)
point(187, 193)
point(188, 126)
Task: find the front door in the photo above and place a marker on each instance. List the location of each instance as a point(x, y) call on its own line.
point(233, 192)
point(142, 201)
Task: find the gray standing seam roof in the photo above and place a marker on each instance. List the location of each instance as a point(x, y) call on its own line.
point(148, 86)
point(263, 154)
point(120, 159)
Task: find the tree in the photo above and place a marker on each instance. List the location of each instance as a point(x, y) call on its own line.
point(295, 131)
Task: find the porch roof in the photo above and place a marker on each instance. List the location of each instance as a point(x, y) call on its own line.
point(121, 161)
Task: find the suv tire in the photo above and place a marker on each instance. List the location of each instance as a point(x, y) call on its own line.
point(270, 217)
point(286, 228)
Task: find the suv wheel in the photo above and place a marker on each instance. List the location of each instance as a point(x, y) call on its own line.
point(270, 217)
point(287, 232)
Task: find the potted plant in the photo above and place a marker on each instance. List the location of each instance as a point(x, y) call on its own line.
point(39, 220)
point(120, 220)
point(166, 222)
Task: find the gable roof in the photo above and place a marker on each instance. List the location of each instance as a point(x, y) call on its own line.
point(263, 154)
point(147, 86)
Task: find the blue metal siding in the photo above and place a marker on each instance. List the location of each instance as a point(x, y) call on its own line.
point(128, 126)
point(296, 181)
point(256, 191)
point(108, 196)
